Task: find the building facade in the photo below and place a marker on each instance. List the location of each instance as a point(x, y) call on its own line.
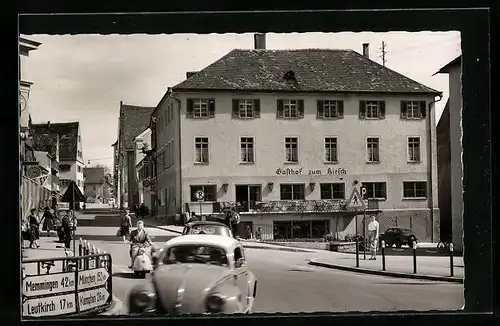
point(451, 172)
point(30, 173)
point(285, 137)
point(49, 144)
point(133, 121)
point(143, 166)
point(94, 183)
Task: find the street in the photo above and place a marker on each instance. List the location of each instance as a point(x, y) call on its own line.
point(286, 283)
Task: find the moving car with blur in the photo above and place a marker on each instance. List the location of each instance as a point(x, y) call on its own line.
point(207, 227)
point(197, 274)
point(398, 237)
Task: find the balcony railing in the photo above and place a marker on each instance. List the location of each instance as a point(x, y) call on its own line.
point(283, 206)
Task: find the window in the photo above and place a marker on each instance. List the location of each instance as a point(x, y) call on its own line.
point(292, 191)
point(330, 109)
point(371, 109)
point(80, 154)
point(372, 147)
point(201, 108)
point(331, 154)
point(209, 190)
point(79, 168)
point(247, 149)
point(291, 149)
point(246, 109)
point(415, 189)
point(332, 190)
point(413, 149)
point(290, 109)
point(201, 148)
point(375, 190)
point(413, 109)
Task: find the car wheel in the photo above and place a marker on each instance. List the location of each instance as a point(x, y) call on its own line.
point(398, 244)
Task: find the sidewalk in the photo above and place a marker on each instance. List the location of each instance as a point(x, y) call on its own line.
point(430, 268)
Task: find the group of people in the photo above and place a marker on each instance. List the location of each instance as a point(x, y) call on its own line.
point(31, 227)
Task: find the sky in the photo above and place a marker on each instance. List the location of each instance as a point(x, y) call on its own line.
point(84, 77)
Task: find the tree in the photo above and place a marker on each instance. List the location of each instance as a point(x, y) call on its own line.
point(106, 168)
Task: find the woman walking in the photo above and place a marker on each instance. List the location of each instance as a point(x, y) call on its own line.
point(34, 229)
point(126, 224)
point(47, 221)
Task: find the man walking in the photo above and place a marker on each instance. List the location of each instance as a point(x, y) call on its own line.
point(373, 235)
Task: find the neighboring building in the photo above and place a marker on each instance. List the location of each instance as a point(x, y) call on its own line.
point(287, 134)
point(94, 183)
point(143, 166)
point(450, 155)
point(49, 143)
point(133, 120)
point(70, 151)
point(45, 160)
point(30, 173)
point(107, 190)
point(116, 173)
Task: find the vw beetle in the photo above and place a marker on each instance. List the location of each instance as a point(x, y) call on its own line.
point(207, 227)
point(197, 274)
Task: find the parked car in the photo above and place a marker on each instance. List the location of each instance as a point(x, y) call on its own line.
point(398, 236)
point(207, 227)
point(197, 274)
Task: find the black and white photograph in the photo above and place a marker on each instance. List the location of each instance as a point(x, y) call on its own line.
point(175, 174)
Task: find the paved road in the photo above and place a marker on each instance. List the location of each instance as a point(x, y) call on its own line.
point(288, 284)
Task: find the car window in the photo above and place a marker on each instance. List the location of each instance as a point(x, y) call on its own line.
point(195, 254)
point(238, 254)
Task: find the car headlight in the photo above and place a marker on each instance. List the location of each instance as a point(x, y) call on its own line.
point(215, 303)
point(141, 301)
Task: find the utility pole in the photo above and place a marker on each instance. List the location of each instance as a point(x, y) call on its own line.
point(384, 52)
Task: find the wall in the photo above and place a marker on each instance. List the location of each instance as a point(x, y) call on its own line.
point(79, 175)
point(456, 156)
point(224, 133)
point(133, 187)
point(98, 192)
point(71, 174)
point(444, 174)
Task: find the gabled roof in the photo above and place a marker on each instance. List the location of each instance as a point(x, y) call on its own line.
point(454, 63)
point(133, 121)
point(93, 175)
point(68, 137)
point(46, 143)
point(316, 70)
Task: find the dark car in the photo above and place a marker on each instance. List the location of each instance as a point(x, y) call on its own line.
point(398, 237)
point(207, 227)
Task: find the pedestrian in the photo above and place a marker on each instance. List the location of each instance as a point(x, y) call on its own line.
point(33, 229)
point(235, 221)
point(125, 225)
point(258, 233)
point(66, 228)
point(47, 221)
point(373, 235)
point(193, 217)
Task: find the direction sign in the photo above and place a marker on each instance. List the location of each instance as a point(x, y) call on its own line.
point(92, 278)
point(50, 306)
point(48, 284)
point(355, 201)
point(200, 194)
point(92, 298)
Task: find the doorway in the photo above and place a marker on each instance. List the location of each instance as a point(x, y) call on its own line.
point(247, 195)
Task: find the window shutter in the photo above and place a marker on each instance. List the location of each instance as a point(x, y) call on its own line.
point(381, 108)
point(423, 109)
point(340, 109)
point(236, 108)
point(301, 108)
point(319, 112)
point(403, 109)
point(279, 110)
point(256, 108)
point(362, 109)
point(211, 108)
point(189, 108)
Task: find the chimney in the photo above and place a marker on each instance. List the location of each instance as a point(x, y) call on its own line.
point(366, 50)
point(190, 73)
point(48, 124)
point(259, 41)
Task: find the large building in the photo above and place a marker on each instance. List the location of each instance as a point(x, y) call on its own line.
point(47, 150)
point(70, 151)
point(143, 167)
point(286, 134)
point(450, 156)
point(133, 121)
point(95, 183)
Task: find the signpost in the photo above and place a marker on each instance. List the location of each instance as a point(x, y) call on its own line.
point(50, 306)
point(355, 202)
point(92, 278)
point(200, 195)
point(363, 193)
point(92, 298)
point(38, 285)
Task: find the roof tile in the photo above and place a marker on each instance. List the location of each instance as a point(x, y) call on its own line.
point(133, 121)
point(68, 137)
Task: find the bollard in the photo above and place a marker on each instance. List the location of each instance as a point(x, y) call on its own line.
point(357, 252)
point(414, 258)
point(80, 253)
point(452, 273)
point(383, 254)
point(86, 253)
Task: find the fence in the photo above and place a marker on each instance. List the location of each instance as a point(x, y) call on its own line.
point(68, 286)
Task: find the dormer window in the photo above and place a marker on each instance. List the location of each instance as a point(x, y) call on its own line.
point(289, 75)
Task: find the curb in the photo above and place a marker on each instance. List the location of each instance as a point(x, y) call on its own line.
point(159, 227)
point(275, 248)
point(386, 273)
point(117, 308)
